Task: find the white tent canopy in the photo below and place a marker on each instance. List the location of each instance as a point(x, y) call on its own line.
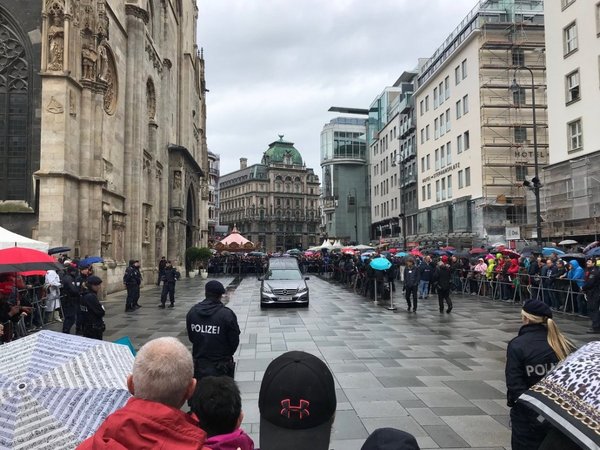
point(10, 239)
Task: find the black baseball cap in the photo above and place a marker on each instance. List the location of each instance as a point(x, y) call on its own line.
point(390, 439)
point(297, 403)
point(214, 287)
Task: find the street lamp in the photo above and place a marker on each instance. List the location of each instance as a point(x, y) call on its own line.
point(355, 204)
point(535, 183)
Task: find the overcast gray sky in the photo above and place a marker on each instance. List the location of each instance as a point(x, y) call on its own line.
point(276, 66)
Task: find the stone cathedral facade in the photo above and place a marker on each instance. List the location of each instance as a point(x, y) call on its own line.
point(123, 162)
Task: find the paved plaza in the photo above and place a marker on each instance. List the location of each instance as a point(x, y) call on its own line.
point(437, 376)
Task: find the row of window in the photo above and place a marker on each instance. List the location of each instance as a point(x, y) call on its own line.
point(443, 186)
point(441, 92)
point(443, 155)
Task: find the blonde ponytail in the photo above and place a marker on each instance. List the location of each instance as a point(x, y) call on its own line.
point(559, 343)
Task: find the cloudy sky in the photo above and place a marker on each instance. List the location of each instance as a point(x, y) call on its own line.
point(276, 66)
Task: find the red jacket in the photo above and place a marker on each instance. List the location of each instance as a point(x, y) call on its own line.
point(146, 425)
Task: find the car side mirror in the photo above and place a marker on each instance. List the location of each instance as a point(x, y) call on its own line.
point(307, 278)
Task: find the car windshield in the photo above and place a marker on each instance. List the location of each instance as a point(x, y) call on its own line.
point(284, 274)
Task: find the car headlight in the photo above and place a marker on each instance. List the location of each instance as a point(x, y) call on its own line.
point(302, 289)
point(267, 289)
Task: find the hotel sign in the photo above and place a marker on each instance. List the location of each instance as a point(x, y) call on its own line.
point(441, 172)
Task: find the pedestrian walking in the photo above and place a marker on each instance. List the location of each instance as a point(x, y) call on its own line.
point(214, 332)
point(132, 280)
point(92, 311)
point(425, 269)
point(162, 264)
point(529, 357)
point(442, 277)
point(411, 284)
point(169, 278)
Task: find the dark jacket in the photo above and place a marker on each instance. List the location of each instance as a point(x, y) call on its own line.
point(70, 290)
point(592, 285)
point(213, 330)
point(443, 277)
point(162, 264)
point(170, 275)
point(426, 271)
point(92, 310)
point(529, 358)
point(549, 276)
point(411, 276)
point(132, 276)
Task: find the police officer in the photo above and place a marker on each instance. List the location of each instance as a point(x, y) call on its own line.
point(132, 280)
point(534, 352)
point(71, 296)
point(214, 332)
point(591, 288)
point(92, 311)
point(85, 271)
point(169, 278)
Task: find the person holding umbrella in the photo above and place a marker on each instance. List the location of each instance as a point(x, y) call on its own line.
point(529, 357)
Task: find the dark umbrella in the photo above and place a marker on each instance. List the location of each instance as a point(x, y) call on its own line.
point(55, 250)
point(21, 259)
point(594, 252)
point(477, 251)
point(531, 250)
point(578, 256)
point(591, 246)
point(90, 260)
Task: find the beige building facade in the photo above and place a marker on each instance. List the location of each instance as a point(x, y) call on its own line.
point(475, 129)
point(274, 204)
point(571, 191)
point(123, 155)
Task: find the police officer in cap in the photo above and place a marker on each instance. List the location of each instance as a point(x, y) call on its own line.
point(534, 352)
point(214, 333)
point(92, 311)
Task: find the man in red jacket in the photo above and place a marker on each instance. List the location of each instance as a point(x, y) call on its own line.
point(161, 382)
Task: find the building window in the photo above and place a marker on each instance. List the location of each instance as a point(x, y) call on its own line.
point(459, 144)
point(448, 120)
point(457, 75)
point(465, 104)
point(449, 185)
point(427, 133)
point(422, 107)
point(422, 135)
point(467, 177)
point(570, 38)
point(448, 154)
point(458, 109)
point(463, 67)
point(426, 103)
point(598, 19)
point(438, 194)
point(436, 126)
point(443, 188)
point(521, 173)
point(437, 159)
point(442, 156)
point(441, 90)
point(442, 125)
point(573, 91)
point(429, 191)
point(520, 134)
point(422, 164)
point(461, 179)
point(447, 87)
point(435, 98)
point(566, 3)
point(467, 141)
point(575, 133)
point(427, 161)
point(518, 57)
point(519, 97)
point(423, 192)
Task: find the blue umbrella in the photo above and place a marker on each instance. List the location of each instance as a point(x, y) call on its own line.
point(547, 251)
point(90, 260)
point(381, 264)
point(594, 252)
point(401, 254)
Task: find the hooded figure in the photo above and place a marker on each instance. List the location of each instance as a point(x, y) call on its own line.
point(576, 273)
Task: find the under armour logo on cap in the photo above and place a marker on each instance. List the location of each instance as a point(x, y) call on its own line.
point(301, 409)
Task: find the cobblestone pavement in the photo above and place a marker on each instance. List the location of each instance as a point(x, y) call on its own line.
point(437, 376)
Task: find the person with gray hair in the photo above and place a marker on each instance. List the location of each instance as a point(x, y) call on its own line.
point(161, 382)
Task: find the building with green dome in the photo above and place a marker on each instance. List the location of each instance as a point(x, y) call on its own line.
point(275, 203)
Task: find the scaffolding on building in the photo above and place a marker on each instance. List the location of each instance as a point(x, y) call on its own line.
point(511, 36)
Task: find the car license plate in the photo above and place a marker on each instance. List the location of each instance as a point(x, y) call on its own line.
point(285, 298)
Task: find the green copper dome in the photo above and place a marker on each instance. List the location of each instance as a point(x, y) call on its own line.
point(282, 152)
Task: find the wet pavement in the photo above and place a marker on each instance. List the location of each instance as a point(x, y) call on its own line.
point(437, 376)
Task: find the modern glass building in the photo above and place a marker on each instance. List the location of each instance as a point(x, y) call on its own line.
point(345, 188)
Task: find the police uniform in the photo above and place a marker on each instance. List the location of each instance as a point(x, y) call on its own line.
point(214, 333)
point(529, 358)
point(92, 311)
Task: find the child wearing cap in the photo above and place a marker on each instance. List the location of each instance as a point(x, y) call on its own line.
point(217, 404)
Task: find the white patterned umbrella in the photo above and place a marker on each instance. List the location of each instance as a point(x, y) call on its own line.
point(56, 389)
